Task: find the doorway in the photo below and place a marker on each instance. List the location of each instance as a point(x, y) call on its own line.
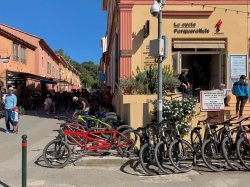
point(206, 70)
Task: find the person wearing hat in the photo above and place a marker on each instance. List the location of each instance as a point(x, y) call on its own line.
point(10, 102)
point(241, 91)
point(184, 86)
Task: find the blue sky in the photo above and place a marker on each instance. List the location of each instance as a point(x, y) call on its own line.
point(73, 25)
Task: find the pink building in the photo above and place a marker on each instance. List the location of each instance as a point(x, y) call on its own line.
point(33, 64)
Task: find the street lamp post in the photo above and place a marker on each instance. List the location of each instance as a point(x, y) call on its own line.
point(156, 9)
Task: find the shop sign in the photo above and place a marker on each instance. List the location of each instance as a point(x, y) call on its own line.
point(15, 78)
point(238, 65)
point(212, 100)
point(189, 28)
point(146, 59)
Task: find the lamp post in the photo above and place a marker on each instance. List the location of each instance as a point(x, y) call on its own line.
point(156, 10)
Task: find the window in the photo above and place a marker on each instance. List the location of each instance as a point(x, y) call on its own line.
point(23, 58)
point(53, 71)
point(15, 52)
point(42, 63)
point(48, 68)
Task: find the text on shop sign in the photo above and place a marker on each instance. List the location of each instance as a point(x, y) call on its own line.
point(189, 28)
point(212, 100)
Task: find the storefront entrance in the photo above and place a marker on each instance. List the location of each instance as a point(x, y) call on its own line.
point(207, 70)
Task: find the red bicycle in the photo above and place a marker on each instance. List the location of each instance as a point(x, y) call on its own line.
point(57, 153)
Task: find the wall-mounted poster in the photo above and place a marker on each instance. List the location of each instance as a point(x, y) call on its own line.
point(238, 65)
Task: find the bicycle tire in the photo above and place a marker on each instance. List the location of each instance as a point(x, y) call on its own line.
point(162, 157)
point(132, 149)
point(146, 160)
point(173, 148)
point(207, 147)
point(60, 150)
point(123, 128)
point(240, 150)
point(229, 153)
point(196, 142)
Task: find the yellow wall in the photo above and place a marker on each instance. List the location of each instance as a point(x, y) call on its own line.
point(234, 29)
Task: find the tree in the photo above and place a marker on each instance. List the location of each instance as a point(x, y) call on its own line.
point(89, 71)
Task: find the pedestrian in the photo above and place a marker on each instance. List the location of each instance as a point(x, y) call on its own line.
point(80, 104)
point(185, 85)
point(15, 119)
point(226, 96)
point(10, 102)
point(241, 91)
point(47, 104)
point(108, 96)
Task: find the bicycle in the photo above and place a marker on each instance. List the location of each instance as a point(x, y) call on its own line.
point(243, 148)
point(181, 153)
point(57, 153)
point(229, 144)
point(211, 151)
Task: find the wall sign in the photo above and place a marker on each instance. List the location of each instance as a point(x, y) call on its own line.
point(238, 65)
point(189, 28)
point(146, 59)
point(212, 100)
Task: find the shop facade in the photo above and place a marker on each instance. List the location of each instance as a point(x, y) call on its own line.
point(210, 38)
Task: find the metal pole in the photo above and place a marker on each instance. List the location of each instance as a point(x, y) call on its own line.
point(159, 107)
point(24, 160)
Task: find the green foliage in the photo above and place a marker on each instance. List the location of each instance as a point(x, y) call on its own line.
point(145, 82)
point(178, 112)
point(88, 70)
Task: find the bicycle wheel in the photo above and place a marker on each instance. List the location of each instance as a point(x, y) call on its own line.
point(229, 153)
point(196, 142)
point(131, 149)
point(146, 158)
point(56, 154)
point(212, 155)
point(181, 155)
point(122, 128)
point(162, 157)
point(243, 152)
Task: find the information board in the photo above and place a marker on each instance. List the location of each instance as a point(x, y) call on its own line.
point(238, 65)
point(212, 100)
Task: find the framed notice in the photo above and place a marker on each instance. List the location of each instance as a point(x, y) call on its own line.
point(238, 65)
point(212, 100)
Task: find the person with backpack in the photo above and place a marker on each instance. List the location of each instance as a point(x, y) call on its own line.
point(241, 91)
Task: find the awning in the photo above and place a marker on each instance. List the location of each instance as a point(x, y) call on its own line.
point(74, 87)
point(199, 44)
point(47, 81)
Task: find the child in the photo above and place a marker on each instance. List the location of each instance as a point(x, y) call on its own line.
point(14, 116)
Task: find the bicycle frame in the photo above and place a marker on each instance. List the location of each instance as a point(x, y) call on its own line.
point(96, 137)
point(97, 121)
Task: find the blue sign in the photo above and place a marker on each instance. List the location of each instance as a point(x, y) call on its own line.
point(102, 77)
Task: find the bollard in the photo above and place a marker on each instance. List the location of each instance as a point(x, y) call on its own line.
point(24, 161)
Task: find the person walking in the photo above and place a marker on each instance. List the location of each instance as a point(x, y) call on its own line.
point(10, 102)
point(241, 91)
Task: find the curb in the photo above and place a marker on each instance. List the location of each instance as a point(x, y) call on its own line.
point(101, 161)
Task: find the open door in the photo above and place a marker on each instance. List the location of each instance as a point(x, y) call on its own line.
point(176, 62)
point(224, 69)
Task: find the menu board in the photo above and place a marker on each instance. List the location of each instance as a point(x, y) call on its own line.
point(238, 65)
point(212, 100)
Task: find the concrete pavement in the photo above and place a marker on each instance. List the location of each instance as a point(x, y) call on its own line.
point(120, 173)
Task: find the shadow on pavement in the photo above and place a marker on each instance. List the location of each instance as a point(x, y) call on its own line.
point(133, 164)
point(2, 130)
point(3, 184)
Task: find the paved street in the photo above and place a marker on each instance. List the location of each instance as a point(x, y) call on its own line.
point(108, 172)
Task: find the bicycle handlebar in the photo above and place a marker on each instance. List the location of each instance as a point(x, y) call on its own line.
point(204, 121)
